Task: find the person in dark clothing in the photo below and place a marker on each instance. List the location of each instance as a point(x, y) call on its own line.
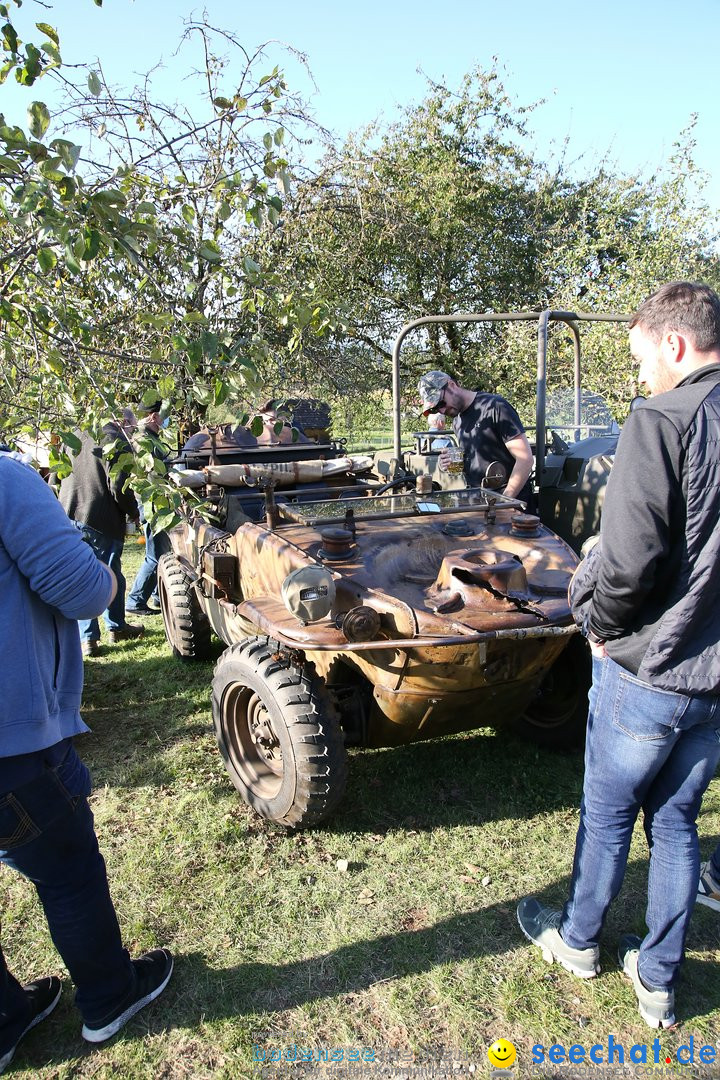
point(50, 579)
point(144, 587)
point(646, 598)
point(100, 505)
point(709, 885)
point(487, 429)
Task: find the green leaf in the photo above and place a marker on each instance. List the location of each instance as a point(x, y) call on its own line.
point(94, 84)
point(49, 31)
point(69, 153)
point(222, 103)
point(47, 259)
point(166, 521)
point(110, 197)
point(210, 251)
point(188, 213)
point(33, 64)
point(39, 152)
point(38, 118)
point(69, 438)
point(72, 262)
point(66, 188)
point(50, 49)
point(202, 393)
point(55, 362)
point(10, 38)
point(92, 244)
point(267, 140)
point(256, 427)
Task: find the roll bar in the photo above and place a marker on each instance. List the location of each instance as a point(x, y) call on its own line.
point(543, 319)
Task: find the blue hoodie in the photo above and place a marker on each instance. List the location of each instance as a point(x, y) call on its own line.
point(49, 578)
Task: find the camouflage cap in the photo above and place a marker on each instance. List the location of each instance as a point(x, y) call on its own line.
point(430, 389)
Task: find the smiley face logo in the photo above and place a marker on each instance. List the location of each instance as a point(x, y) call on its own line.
point(501, 1054)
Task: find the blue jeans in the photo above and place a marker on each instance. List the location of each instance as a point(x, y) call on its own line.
point(657, 751)
point(145, 582)
point(108, 551)
point(47, 834)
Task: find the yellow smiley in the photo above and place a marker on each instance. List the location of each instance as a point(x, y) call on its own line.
point(501, 1054)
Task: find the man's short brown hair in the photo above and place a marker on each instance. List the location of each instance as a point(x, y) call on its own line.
point(685, 307)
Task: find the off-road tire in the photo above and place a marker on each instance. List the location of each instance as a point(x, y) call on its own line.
point(278, 733)
point(186, 625)
point(557, 717)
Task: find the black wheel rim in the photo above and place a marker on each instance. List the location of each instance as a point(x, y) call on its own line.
point(557, 698)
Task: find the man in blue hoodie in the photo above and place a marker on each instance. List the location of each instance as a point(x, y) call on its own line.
point(50, 578)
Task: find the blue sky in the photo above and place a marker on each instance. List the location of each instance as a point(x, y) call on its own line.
point(618, 77)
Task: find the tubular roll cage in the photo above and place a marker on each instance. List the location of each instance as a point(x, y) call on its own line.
point(543, 319)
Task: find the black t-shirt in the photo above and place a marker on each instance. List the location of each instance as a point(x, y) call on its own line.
point(482, 431)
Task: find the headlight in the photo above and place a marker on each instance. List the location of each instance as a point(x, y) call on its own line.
point(309, 593)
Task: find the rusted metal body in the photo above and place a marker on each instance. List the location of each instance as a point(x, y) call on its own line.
point(471, 605)
point(378, 608)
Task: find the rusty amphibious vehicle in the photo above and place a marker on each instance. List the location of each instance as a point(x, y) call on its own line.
point(363, 607)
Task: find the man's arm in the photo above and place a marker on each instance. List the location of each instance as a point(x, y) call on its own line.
point(519, 447)
point(47, 548)
point(643, 505)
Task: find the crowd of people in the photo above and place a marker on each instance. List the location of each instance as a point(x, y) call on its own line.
point(644, 599)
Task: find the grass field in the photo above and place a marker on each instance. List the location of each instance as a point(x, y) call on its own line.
point(411, 954)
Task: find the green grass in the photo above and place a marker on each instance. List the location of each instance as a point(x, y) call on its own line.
point(413, 949)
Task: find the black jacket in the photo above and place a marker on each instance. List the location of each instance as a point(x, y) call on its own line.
point(94, 498)
point(656, 579)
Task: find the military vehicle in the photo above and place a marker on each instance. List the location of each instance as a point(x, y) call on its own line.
point(367, 603)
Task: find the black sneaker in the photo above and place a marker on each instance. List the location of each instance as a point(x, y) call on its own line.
point(142, 610)
point(128, 632)
point(153, 971)
point(43, 995)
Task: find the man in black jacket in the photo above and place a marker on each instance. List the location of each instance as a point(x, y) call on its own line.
point(653, 623)
point(100, 505)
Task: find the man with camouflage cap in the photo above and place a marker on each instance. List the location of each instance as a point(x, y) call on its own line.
point(487, 429)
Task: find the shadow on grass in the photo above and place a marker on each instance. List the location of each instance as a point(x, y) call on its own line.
point(139, 708)
point(257, 990)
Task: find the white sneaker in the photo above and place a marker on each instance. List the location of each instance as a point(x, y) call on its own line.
point(708, 889)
